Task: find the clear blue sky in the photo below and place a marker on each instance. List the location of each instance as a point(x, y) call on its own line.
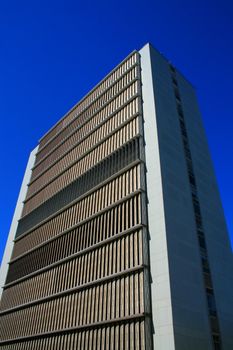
point(53, 52)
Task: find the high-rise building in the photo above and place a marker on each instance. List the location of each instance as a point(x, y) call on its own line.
point(121, 241)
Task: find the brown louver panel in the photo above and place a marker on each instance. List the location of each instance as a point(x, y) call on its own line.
point(36, 235)
point(18, 294)
point(75, 166)
point(119, 161)
point(116, 118)
point(79, 275)
point(92, 96)
point(85, 208)
point(77, 153)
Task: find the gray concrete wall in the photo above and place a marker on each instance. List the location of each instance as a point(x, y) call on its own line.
point(217, 238)
point(188, 299)
point(16, 217)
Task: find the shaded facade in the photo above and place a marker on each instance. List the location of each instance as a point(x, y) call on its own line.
point(116, 245)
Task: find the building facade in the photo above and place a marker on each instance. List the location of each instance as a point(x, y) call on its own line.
point(121, 241)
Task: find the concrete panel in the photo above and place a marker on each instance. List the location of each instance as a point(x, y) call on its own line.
point(16, 217)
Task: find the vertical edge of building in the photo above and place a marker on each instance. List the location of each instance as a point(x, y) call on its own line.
point(17, 214)
point(161, 297)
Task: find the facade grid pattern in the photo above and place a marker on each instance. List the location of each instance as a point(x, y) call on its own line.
point(79, 272)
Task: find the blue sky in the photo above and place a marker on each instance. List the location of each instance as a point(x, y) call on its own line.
point(53, 52)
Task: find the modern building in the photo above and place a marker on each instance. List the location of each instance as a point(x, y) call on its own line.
point(121, 241)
